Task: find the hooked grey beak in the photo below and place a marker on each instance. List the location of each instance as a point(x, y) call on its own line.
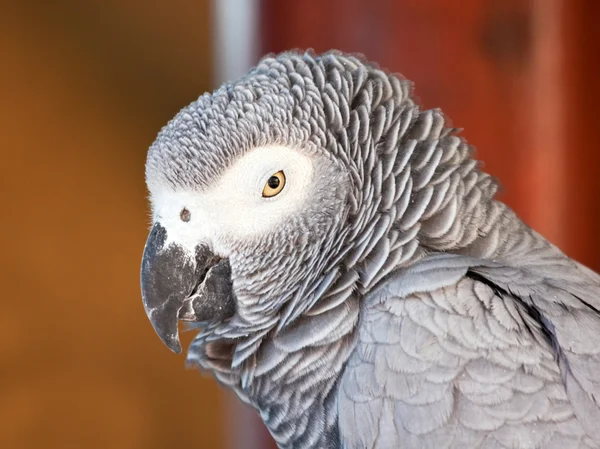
point(177, 285)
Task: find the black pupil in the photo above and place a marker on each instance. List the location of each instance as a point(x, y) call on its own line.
point(273, 182)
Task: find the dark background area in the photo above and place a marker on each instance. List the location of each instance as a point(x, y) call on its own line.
point(86, 87)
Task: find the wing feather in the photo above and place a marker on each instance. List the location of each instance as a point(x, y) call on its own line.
point(458, 353)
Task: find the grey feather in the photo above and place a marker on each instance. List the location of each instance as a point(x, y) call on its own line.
point(405, 307)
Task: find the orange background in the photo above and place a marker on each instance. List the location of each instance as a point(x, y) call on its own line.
point(85, 88)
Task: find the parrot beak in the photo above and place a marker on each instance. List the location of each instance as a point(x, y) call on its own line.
point(180, 285)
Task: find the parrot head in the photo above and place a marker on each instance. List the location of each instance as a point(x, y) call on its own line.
point(276, 191)
point(237, 240)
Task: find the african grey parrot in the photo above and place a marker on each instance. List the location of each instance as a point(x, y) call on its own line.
point(353, 277)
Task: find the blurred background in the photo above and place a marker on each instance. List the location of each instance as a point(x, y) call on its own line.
point(86, 86)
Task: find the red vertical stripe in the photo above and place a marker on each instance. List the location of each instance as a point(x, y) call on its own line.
point(520, 76)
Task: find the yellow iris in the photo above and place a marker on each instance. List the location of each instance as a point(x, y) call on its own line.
point(274, 185)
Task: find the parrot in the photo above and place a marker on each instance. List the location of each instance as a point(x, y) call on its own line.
point(350, 274)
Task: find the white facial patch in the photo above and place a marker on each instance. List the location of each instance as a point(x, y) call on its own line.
point(234, 208)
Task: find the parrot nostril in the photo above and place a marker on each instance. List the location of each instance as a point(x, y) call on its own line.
point(185, 215)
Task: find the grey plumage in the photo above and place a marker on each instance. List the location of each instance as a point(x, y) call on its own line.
point(402, 306)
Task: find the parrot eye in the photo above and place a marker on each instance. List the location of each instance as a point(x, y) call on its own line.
point(185, 215)
point(274, 185)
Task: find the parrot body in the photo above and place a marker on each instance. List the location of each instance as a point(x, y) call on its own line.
point(353, 276)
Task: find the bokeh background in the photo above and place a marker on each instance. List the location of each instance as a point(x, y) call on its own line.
point(86, 86)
